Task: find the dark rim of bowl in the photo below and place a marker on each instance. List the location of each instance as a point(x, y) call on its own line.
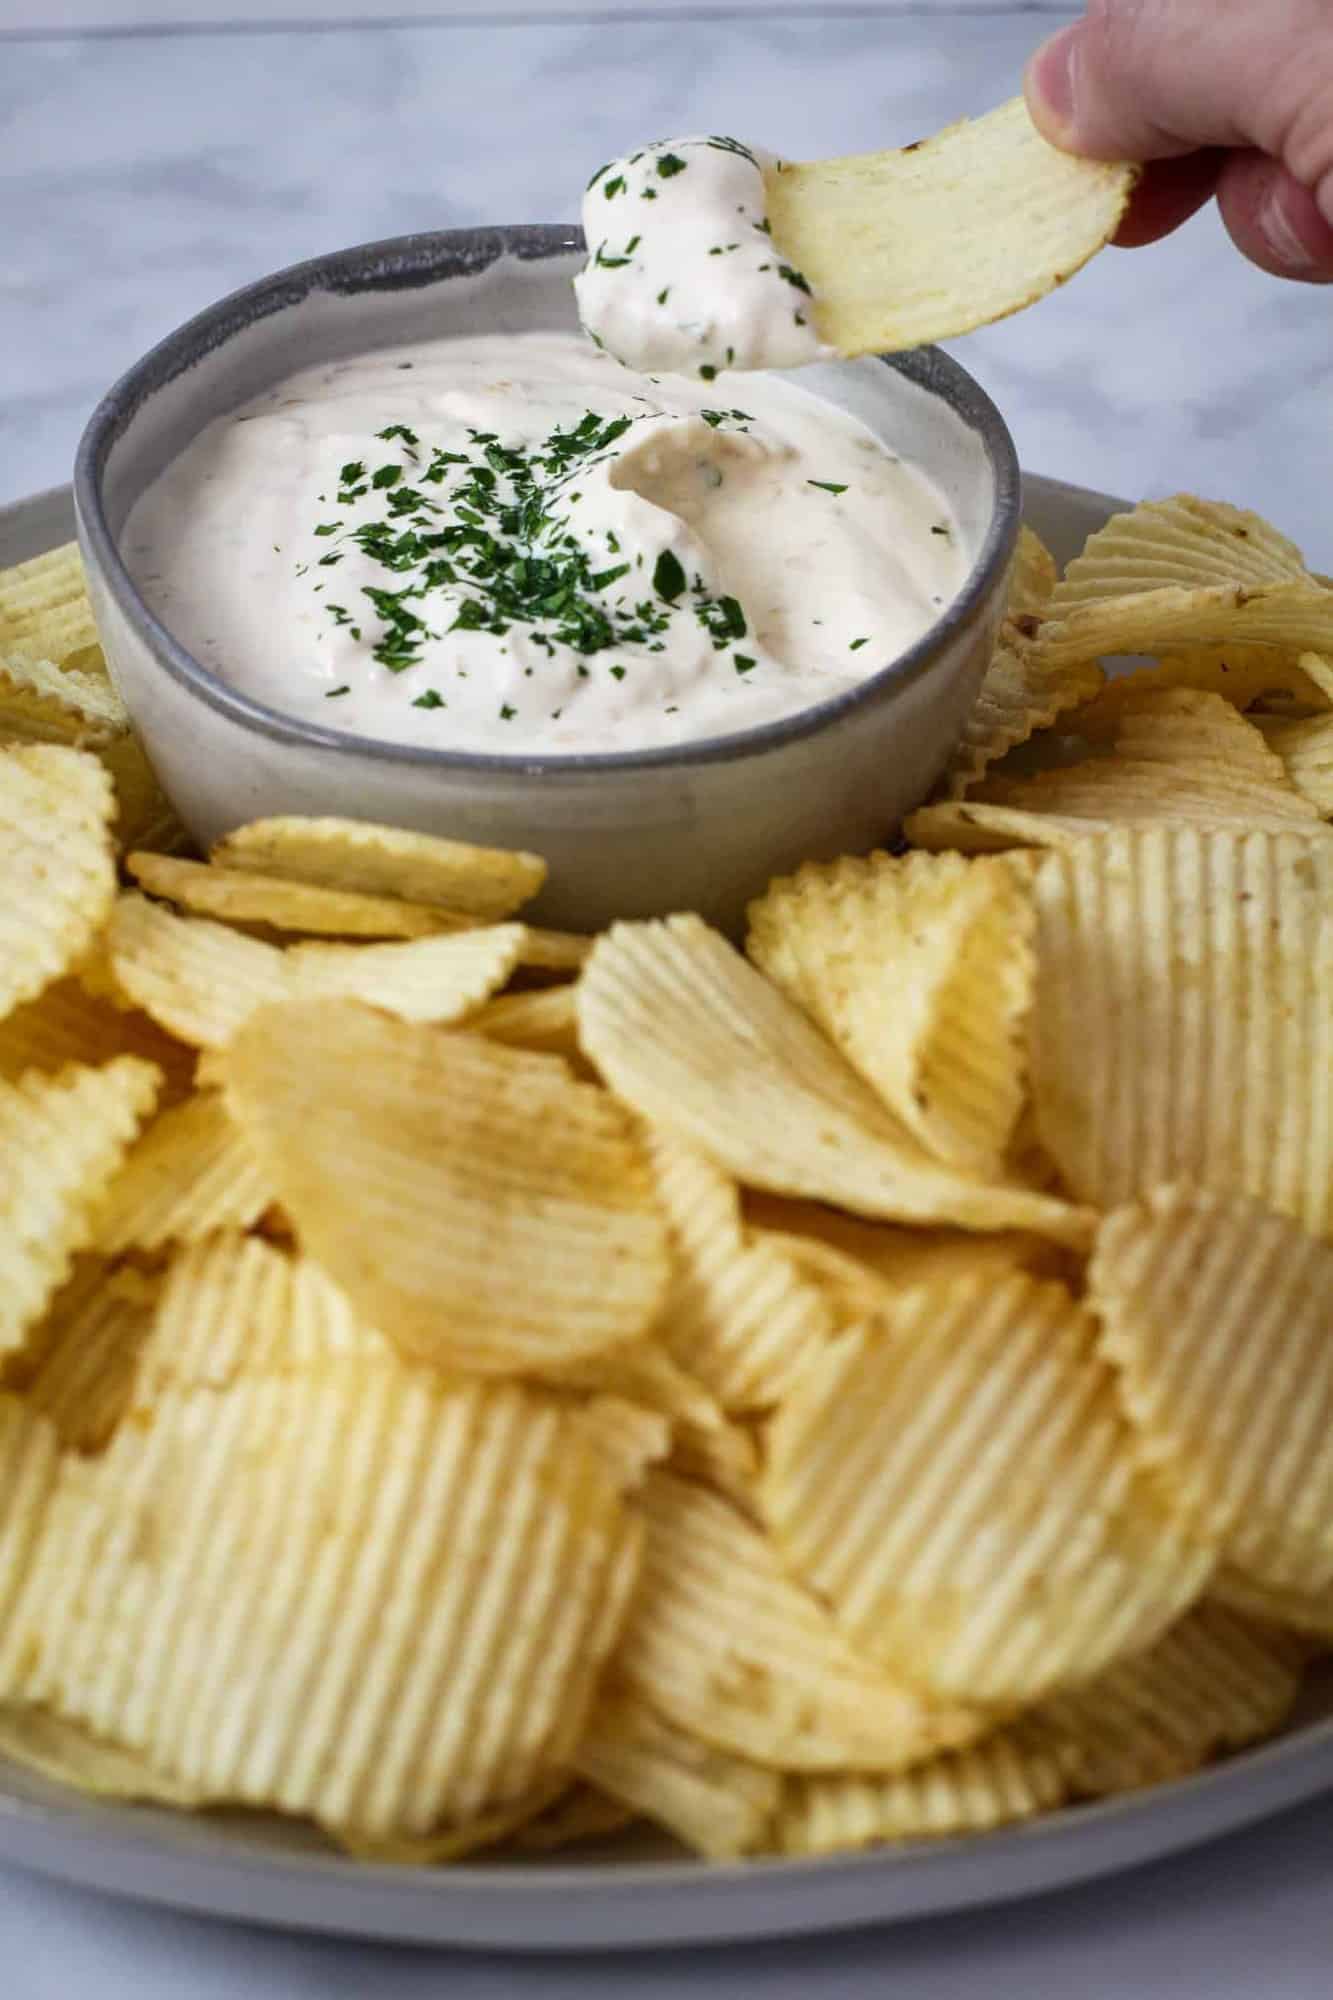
point(411, 262)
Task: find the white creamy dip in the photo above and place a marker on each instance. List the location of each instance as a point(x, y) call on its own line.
point(682, 271)
point(513, 544)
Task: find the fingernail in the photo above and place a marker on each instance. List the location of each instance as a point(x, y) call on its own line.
point(1052, 73)
point(1280, 233)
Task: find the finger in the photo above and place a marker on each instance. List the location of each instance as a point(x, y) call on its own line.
point(1274, 220)
point(1169, 193)
point(1152, 81)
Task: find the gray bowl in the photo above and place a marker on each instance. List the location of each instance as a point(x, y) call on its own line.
point(697, 826)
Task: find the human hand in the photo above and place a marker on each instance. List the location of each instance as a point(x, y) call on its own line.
point(1225, 97)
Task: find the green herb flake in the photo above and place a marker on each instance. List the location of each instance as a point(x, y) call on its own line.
point(707, 372)
point(826, 485)
point(430, 699)
point(664, 295)
point(796, 278)
point(331, 694)
point(857, 644)
point(742, 662)
point(507, 713)
point(671, 164)
point(615, 186)
point(328, 527)
point(668, 577)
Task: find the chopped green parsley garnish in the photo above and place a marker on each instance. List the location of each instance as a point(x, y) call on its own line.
point(671, 164)
point(615, 186)
point(668, 577)
point(827, 485)
point(331, 694)
point(430, 699)
point(742, 662)
point(857, 644)
point(796, 278)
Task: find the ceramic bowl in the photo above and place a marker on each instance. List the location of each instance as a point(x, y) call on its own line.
point(696, 826)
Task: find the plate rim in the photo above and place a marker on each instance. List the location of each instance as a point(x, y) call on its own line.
point(152, 1856)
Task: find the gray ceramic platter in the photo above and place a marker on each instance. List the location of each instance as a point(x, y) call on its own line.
point(632, 1893)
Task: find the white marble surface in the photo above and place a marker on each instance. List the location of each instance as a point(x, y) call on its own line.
point(141, 177)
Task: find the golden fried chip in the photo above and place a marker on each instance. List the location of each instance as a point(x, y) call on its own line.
point(695, 1040)
point(628, 1439)
point(1216, 1314)
point(1179, 754)
point(965, 227)
point(68, 1755)
point(1249, 677)
point(545, 1020)
point(1013, 1775)
point(888, 1257)
point(1213, 1682)
point(29, 1463)
point(1306, 750)
point(43, 703)
point(580, 1813)
point(89, 1345)
point(57, 873)
point(191, 1173)
point(1184, 543)
point(44, 608)
point(66, 1023)
point(723, 1458)
point(1296, 616)
point(483, 882)
point(436, 979)
point(477, 1204)
point(1183, 1021)
point(1293, 1611)
point(240, 896)
point(355, 1595)
point(234, 1306)
point(62, 1140)
point(1033, 575)
point(719, 1805)
point(739, 1316)
point(642, 1372)
point(955, 1480)
point(146, 820)
point(199, 980)
point(724, 1644)
point(1020, 694)
point(202, 980)
point(554, 951)
point(920, 970)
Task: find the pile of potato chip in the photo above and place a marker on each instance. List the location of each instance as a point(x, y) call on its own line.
point(464, 1383)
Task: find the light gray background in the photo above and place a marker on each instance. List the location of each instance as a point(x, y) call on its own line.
point(143, 173)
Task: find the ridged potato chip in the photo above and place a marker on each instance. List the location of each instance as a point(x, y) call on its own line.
point(146, 820)
point(1183, 1021)
point(894, 1258)
point(202, 980)
point(642, 1373)
point(1033, 575)
point(483, 882)
point(43, 703)
point(57, 872)
point(233, 1306)
point(1216, 1314)
point(1020, 694)
point(581, 1813)
point(29, 1465)
point(1306, 750)
point(1178, 754)
point(1213, 1682)
point(239, 895)
point(1013, 1775)
point(739, 1315)
point(545, 1020)
point(695, 1040)
point(1297, 616)
point(956, 1481)
point(89, 1347)
point(628, 1439)
point(974, 223)
point(1183, 542)
point(477, 1204)
point(719, 1805)
point(65, 1754)
point(722, 1458)
point(66, 1023)
point(1249, 677)
point(191, 1173)
point(1309, 1613)
point(62, 1140)
point(353, 1595)
point(723, 1643)
point(554, 951)
point(44, 608)
point(920, 970)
